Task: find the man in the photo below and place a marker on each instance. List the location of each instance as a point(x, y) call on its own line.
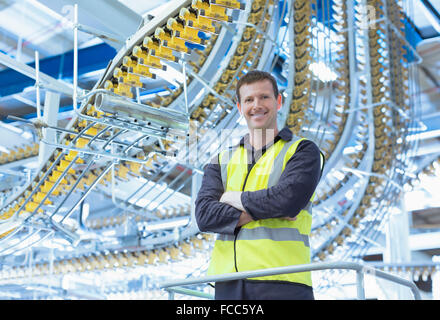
point(257, 197)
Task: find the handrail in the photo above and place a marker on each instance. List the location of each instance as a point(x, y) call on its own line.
point(361, 269)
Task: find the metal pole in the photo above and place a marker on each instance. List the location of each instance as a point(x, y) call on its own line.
point(96, 153)
point(195, 187)
point(104, 172)
point(359, 268)
point(75, 57)
point(166, 119)
point(185, 90)
point(37, 83)
point(50, 117)
point(360, 284)
point(207, 85)
point(51, 261)
point(46, 81)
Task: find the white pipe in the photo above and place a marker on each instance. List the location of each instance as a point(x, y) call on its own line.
point(46, 81)
point(185, 90)
point(161, 117)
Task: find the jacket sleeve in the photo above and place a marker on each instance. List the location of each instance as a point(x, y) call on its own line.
point(294, 189)
point(212, 215)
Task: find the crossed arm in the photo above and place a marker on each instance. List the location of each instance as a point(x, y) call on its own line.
point(233, 198)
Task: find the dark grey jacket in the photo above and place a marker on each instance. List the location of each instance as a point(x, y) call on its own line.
point(287, 198)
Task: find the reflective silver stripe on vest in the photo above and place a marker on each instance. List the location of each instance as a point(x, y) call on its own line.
point(225, 237)
point(227, 155)
point(264, 233)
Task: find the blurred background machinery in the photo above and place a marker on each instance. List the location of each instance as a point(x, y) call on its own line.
point(111, 109)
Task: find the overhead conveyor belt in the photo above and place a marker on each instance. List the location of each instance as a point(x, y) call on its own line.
point(384, 99)
point(123, 133)
point(97, 131)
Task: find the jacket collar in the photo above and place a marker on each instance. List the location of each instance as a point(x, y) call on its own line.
point(284, 134)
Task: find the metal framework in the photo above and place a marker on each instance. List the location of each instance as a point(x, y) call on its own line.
point(361, 270)
point(122, 130)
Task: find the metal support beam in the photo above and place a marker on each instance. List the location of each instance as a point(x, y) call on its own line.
point(360, 269)
point(52, 69)
point(397, 250)
point(45, 80)
point(354, 87)
point(50, 117)
point(108, 16)
point(195, 187)
point(161, 117)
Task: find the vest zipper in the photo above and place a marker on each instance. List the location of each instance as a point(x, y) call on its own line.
point(236, 235)
point(235, 252)
point(264, 149)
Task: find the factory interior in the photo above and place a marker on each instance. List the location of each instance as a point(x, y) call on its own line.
point(110, 110)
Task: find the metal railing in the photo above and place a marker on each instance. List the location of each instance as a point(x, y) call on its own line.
point(173, 287)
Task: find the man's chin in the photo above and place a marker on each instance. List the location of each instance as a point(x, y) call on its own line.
point(259, 126)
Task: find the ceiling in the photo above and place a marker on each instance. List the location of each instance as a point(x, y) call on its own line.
point(45, 26)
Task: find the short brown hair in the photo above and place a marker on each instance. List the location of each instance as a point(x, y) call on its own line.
point(255, 76)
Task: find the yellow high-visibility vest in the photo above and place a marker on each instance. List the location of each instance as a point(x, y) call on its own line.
point(266, 243)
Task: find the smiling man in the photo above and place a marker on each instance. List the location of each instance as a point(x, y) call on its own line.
point(259, 103)
point(257, 197)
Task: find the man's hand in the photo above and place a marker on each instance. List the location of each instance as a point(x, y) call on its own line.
point(233, 198)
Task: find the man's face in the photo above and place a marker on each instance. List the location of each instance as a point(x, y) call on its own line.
point(259, 105)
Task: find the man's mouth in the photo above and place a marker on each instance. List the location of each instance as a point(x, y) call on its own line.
point(258, 114)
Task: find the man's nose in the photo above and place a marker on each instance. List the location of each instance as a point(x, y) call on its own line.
point(256, 102)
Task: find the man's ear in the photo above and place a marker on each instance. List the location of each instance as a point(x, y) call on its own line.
point(239, 107)
point(279, 102)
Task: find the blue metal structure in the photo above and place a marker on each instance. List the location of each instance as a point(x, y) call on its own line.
point(60, 67)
